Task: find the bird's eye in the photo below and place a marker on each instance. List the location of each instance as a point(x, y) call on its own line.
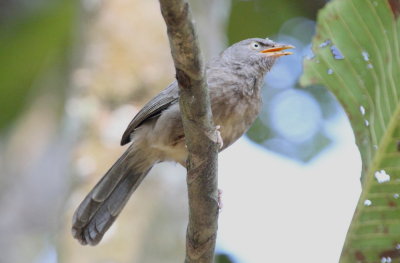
point(255, 45)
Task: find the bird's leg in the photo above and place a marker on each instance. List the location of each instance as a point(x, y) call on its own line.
point(220, 141)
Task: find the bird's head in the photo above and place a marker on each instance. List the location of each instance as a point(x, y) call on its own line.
point(257, 53)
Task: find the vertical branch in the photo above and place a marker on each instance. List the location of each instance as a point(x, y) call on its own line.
point(200, 133)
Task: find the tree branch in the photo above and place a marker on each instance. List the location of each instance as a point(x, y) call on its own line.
point(200, 134)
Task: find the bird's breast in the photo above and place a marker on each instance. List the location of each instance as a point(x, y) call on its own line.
point(235, 111)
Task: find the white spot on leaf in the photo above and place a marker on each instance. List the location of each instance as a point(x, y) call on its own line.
point(325, 43)
point(367, 202)
point(336, 53)
point(362, 110)
point(365, 55)
point(381, 176)
point(386, 260)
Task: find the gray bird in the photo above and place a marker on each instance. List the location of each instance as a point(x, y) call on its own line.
point(234, 80)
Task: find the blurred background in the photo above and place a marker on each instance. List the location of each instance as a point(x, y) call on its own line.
point(72, 76)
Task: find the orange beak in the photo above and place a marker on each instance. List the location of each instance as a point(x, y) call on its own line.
point(277, 51)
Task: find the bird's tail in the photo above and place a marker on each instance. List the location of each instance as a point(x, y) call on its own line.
point(105, 201)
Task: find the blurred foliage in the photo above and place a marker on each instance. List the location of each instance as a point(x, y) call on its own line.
point(357, 56)
point(30, 45)
point(261, 18)
point(223, 258)
point(259, 132)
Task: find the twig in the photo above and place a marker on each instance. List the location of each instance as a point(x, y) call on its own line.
point(200, 133)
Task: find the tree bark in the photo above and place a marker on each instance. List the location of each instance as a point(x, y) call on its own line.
point(200, 133)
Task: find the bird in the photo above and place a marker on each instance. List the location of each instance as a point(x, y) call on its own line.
point(234, 78)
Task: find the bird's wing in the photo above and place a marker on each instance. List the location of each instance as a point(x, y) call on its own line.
point(152, 109)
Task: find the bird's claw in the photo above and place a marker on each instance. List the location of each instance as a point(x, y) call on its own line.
point(220, 141)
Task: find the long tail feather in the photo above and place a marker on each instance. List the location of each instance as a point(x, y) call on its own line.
point(103, 204)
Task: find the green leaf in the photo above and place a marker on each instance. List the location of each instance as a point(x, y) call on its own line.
point(363, 35)
point(28, 48)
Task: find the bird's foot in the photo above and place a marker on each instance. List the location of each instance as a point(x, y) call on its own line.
point(220, 141)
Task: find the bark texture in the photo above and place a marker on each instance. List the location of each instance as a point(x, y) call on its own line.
point(200, 133)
